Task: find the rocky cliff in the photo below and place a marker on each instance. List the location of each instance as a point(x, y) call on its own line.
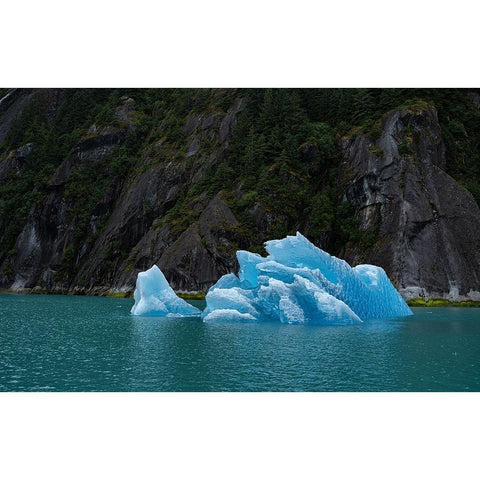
point(97, 186)
point(426, 227)
point(125, 231)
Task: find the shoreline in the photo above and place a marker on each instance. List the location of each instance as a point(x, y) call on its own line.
point(412, 302)
point(103, 293)
point(441, 302)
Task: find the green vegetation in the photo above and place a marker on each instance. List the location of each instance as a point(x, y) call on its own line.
point(119, 295)
point(4, 91)
point(440, 302)
point(376, 150)
point(192, 296)
point(51, 140)
point(283, 158)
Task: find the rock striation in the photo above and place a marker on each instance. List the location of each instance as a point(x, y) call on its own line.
point(427, 227)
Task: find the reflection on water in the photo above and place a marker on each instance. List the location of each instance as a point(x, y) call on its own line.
point(58, 343)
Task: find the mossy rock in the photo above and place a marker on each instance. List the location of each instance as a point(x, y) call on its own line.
point(119, 295)
point(192, 296)
point(440, 302)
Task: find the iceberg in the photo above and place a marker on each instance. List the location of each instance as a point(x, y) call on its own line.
point(298, 283)
point(154, 297)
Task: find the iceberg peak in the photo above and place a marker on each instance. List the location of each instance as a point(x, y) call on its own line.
point(154, 297)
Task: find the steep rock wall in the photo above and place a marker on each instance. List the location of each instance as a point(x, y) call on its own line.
point(427, 227)
point(129, 216)
point(423, 228)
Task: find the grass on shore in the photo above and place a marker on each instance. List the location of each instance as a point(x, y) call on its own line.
point(119, 294)
point(192, 296)
point(185, 296)
point(413, 302)
point(440, 302)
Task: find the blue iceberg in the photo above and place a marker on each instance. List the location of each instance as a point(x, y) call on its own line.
point(154, 297)
point(298, 283)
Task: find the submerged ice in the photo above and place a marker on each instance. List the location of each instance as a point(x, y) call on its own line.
point(154, 297)
point(297, 283)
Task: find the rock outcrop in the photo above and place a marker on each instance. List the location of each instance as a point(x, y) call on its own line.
point(129, 215)
point(133, 189)
point(426, 226)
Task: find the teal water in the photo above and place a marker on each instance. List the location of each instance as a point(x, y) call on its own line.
point(64, 343)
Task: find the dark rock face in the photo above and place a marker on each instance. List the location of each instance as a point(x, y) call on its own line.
point(191, 259)
point(11, 107)
point(40, 242)
point(427, 226)
point(49, 230)
point(15, 162)
point(129, 216)
point(202, 254)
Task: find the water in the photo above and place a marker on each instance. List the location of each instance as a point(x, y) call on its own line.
point(60, 343)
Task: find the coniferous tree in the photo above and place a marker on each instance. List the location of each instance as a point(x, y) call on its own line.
point(363, 105)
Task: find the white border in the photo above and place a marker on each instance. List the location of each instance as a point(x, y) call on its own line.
point(253, 43)
point(247, 44)
point(238, 436)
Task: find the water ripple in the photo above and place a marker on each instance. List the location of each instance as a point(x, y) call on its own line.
point(58, 343)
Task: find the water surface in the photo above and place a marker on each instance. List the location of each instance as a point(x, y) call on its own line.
point(65, 343)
